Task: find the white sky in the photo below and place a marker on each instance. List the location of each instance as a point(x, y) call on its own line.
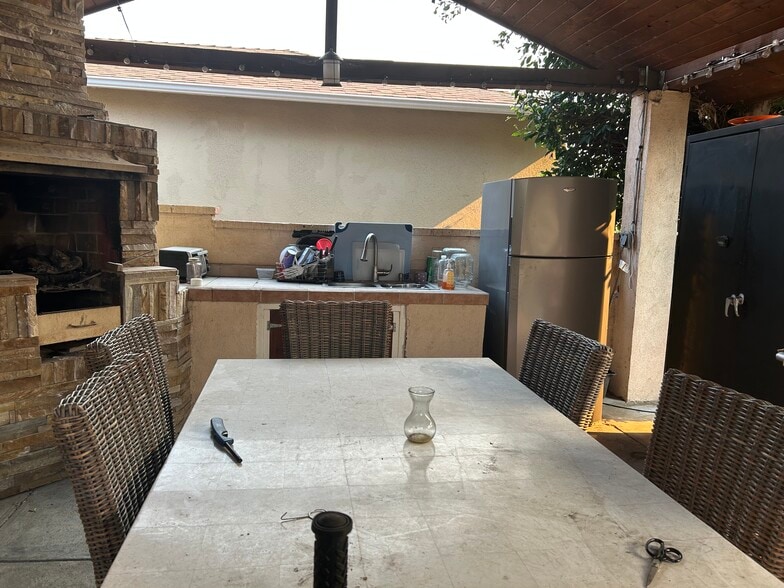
point(401, 30)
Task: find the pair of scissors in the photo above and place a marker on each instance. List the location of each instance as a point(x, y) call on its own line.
point(659, 553)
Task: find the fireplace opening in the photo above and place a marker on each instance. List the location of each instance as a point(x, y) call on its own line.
point(62, 231)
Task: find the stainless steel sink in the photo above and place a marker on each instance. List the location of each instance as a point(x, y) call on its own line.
point(352, 284)
point(407, 285)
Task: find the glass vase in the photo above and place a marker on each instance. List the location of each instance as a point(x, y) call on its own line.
point(420, 426)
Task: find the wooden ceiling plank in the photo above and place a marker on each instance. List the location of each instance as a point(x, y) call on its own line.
point(700, 62)
point(653, 31)
point(528, 31)
point(567, 11)
point(695, 22)
point(695, 39)
point(537, 14)
point(651, 21)
point(594, 26)
point(592, 18)
point(757, 35)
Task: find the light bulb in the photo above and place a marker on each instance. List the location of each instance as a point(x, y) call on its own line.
point(766, 52)
point(166, 66)
point(684, 80)
point(709, 72)
point(90, 51)
point(276, 73)
point(775, 43)
point(451, 84)
point(736, 65)
point(484, 85)
point(241, 67)
point(127, 61)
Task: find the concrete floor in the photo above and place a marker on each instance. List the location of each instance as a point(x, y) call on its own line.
point(42, 541)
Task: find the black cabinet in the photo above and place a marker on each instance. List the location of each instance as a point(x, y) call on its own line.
point(727, 316)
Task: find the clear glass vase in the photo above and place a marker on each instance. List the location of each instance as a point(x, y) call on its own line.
point(420, 426)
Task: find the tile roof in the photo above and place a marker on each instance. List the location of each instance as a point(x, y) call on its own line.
point(501, 98)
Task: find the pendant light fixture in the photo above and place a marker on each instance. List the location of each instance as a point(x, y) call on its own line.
point(330, 61)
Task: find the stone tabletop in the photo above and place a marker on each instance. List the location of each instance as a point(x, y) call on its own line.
point(220, 289)
point(509, 493)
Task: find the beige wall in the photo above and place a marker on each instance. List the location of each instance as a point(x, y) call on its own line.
point(237, 248)
point(314, 163)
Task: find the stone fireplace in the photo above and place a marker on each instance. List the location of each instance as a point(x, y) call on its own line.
point(78, 253)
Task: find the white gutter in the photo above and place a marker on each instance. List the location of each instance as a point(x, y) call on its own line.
point(295, 96)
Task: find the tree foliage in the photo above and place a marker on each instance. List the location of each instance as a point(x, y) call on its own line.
point(587, 132)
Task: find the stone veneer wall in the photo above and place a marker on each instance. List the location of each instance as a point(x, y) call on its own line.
point(49, 126)
point(30, 388)
point(42, 57)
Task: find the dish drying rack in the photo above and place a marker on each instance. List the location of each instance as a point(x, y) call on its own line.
point(315, 272)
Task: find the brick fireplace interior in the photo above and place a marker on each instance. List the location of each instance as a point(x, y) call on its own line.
point(78, 213)
point(62, 231)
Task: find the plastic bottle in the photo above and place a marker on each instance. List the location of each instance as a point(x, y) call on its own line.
point(449, 275)
point(440, 267)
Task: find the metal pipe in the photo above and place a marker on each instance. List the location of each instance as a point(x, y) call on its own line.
point(331, 34)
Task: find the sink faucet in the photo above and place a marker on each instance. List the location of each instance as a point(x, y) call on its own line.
point(376, 272)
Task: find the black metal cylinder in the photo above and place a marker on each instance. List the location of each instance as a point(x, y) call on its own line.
point(330, 553)
point(331, 33)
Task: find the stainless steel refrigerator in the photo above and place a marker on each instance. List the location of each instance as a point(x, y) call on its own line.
point(545, 251)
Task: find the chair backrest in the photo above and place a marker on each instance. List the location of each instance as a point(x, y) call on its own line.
point(566, 369)
point(111, 434)
point(333, 329)
point(720, 454)
point(136, 335)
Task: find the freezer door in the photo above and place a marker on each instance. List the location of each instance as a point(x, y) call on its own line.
point(562, 217)
point(572, 293)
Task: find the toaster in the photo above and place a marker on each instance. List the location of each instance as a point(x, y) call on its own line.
point(178, 258)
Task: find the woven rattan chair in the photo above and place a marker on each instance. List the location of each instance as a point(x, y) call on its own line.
point(111, 435)
point(336, 329)
point(566, 369)
point(720, 454)
point(138, 334)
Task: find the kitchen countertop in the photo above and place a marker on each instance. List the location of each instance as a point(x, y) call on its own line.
point(217, 289)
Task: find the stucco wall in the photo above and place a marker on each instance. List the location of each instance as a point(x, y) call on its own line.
point(312, 163)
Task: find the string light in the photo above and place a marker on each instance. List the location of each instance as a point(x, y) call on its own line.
point(127, 60)
point(733, 61)
point(205, 69)
point(241, 67)
point(166, 66)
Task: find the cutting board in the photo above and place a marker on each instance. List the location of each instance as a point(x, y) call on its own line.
point(349, 233)
point(389, 255)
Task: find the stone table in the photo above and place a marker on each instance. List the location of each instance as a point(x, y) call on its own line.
point(509, 493)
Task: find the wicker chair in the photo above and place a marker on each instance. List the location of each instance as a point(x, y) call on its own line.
point(111, 434)
point(336, 329)
point(566, 369)
point(720, 454)
point(138, 334)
